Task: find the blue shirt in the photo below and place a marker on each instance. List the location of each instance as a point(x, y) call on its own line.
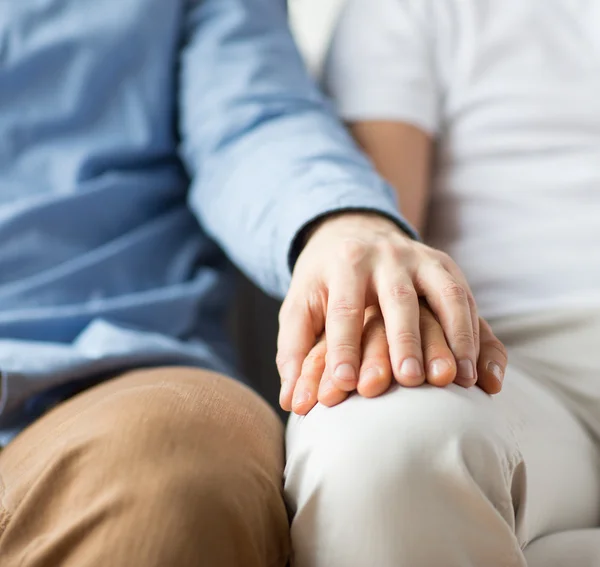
point(138, 139)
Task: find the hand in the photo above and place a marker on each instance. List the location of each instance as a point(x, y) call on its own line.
point(356, 260)
point(375, 372)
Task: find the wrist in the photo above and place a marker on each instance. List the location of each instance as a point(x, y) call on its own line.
point(353, 221)
point(358, 219)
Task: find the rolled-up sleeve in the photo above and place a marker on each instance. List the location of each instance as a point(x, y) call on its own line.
point(381, 63)
point(265, 154)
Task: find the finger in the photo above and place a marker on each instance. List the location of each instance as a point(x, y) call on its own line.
point(439, 361)
point(449, 301)
point(329, 394)
point(375, 371)
point(459, 276)
point(399, 305)
point(492, 361)
point(307, 386)
point(298, 331)
point(344, 323)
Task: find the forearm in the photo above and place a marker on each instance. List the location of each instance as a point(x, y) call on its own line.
point(402, 154)
point(266, 155)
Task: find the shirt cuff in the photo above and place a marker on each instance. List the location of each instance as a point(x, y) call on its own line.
point(302, 213)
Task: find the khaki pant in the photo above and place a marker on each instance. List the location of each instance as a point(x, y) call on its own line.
point(450, 477)
point(160, 468)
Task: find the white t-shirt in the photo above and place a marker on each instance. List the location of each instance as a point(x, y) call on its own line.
point(511, 89)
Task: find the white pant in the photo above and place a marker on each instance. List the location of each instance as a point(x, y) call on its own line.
point(431, 477)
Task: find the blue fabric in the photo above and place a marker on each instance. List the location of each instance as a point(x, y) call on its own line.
point(125, 127)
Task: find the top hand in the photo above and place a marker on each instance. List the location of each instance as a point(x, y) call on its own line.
point(315, 384)
point(356, 260)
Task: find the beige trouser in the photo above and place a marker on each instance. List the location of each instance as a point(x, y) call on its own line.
point(454, 478)
point(161, 468)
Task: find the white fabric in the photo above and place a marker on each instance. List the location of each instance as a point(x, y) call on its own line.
point(511, 88)
point(312, 22)
point(451, 477)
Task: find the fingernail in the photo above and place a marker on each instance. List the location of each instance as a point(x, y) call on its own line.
point(371, 373)
point(466, 374)
point(411, 368)
point(345, 372)
point(439, 367)
point(495, 369)
point(326, 386)
point(301, 397)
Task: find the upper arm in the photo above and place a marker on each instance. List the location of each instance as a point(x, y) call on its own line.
point(381, 73)
point(401, 153)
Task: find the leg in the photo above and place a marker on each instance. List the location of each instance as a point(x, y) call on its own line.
point(579, 548)
point(426, 476)
point(169, 467)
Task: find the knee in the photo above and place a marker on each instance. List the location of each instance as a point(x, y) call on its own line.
point(370, 452)
point(168, 466)
point(177, 425)
point(200, 455)
point(156, 417)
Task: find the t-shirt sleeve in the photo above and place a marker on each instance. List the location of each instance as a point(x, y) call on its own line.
point(381, 66)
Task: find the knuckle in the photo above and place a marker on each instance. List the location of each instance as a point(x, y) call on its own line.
point(463, 338)
point(434, 264)
point(453, 290)
point(344, 309)
point(443, 258)
point(407, 339)
point(344, 347)
point(402, 292)
point(353, 251)
point(342, 352)
point(390, 249)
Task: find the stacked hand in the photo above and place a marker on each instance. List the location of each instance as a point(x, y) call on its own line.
point(368, 305)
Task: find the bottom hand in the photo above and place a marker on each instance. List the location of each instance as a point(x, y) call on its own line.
point(316, 384)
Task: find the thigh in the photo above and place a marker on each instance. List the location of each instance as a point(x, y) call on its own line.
point(149, 451)
point(549, 460)
point(560, 349)
point(149, 409)
point(561, 472)
point(578, 548)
